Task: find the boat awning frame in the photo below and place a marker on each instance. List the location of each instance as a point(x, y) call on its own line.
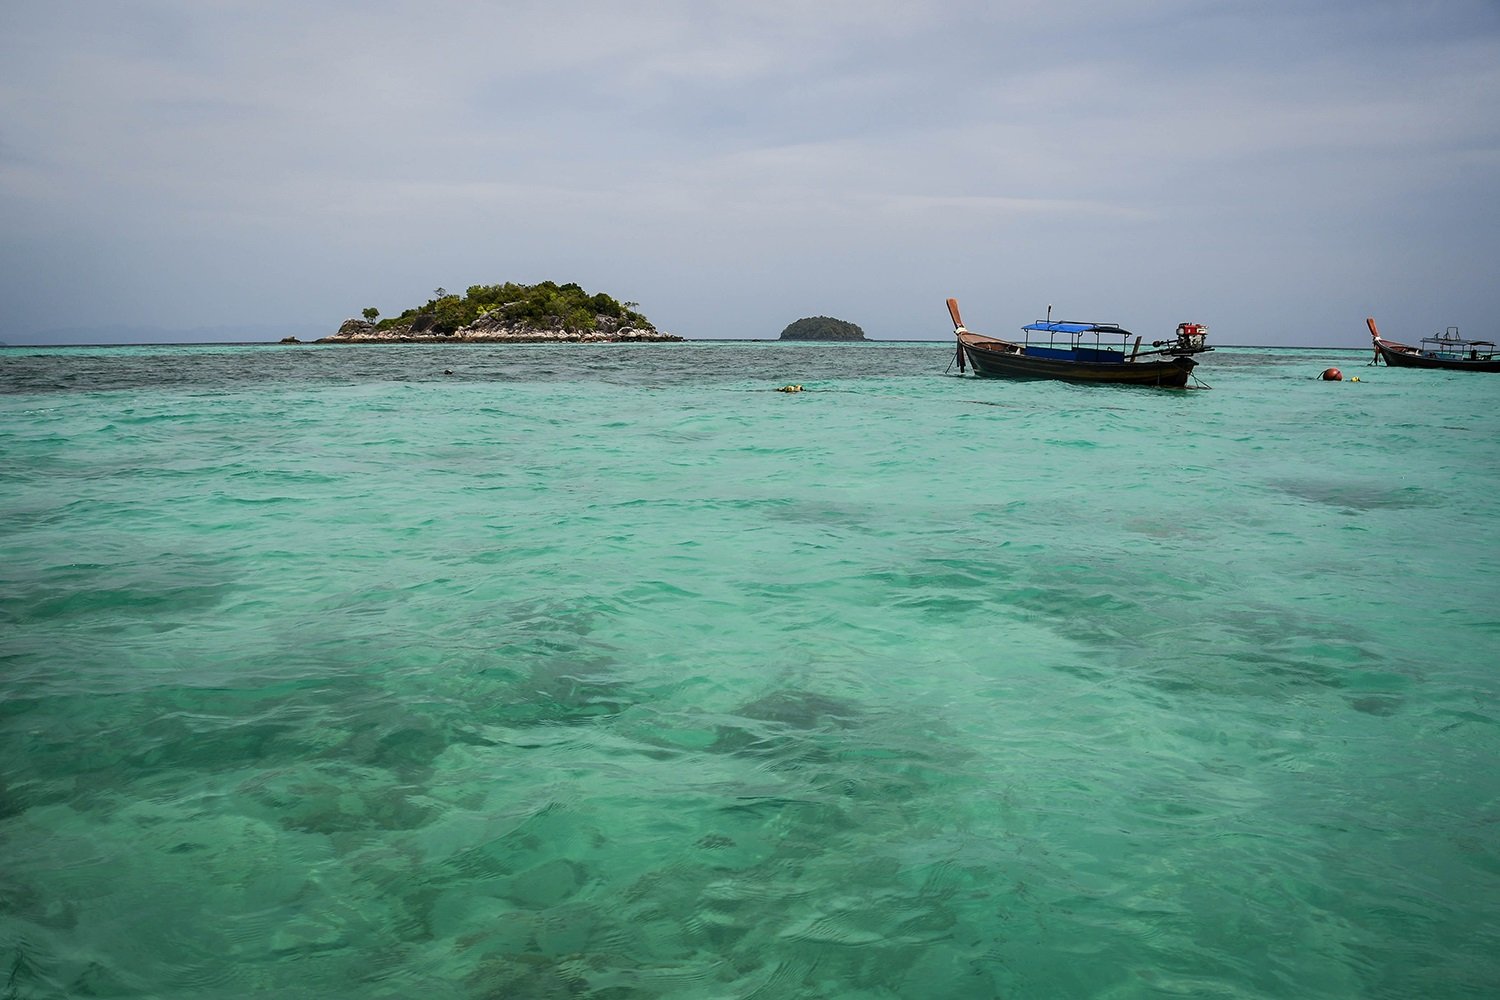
point(1060, 326)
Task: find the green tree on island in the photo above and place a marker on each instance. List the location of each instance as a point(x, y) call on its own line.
point(543, 305)
point(822, 328)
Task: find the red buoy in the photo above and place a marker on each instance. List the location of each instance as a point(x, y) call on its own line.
point(1332, 375)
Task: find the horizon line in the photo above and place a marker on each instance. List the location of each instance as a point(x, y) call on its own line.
point(685, 340)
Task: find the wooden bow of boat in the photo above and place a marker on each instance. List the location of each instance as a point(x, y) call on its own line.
point(968, 338)
point(1385, 347)
point(958, 321)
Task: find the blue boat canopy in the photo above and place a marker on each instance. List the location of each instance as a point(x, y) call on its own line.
point(1043, 326)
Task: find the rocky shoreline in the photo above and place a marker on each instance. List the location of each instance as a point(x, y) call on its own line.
point(487, 330)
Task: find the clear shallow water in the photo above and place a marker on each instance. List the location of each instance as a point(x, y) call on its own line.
point(610, 672)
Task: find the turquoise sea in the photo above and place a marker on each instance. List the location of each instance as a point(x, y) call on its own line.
point(611, 672)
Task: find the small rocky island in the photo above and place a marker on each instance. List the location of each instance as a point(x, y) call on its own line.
point(508, 313)
point(822, 328)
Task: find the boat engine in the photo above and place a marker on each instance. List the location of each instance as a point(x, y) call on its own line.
point(1190, 336)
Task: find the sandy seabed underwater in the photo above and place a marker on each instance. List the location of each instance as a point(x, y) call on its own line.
point(610, 672)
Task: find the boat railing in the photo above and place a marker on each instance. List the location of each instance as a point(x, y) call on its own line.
point(1448, 345)
point(1072, 344)
point(1106, 342)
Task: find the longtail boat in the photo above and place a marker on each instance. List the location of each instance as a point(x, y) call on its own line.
point(1081, 352)
point(1441, 350)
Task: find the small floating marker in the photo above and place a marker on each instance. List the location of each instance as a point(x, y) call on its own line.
point(790, 388)
point(1354, 379)
point(1332, 375)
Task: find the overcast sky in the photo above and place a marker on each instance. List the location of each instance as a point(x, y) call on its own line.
point(218, 169)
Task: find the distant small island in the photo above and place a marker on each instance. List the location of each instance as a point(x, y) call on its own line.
point(508, 313)
point(822, 328)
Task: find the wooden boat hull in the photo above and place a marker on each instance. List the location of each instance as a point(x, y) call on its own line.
point(999, 359)
point(1401, 356)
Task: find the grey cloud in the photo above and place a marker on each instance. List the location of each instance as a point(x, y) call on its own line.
point(1270, 168)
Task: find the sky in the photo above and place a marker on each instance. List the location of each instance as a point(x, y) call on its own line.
point(205, 170)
